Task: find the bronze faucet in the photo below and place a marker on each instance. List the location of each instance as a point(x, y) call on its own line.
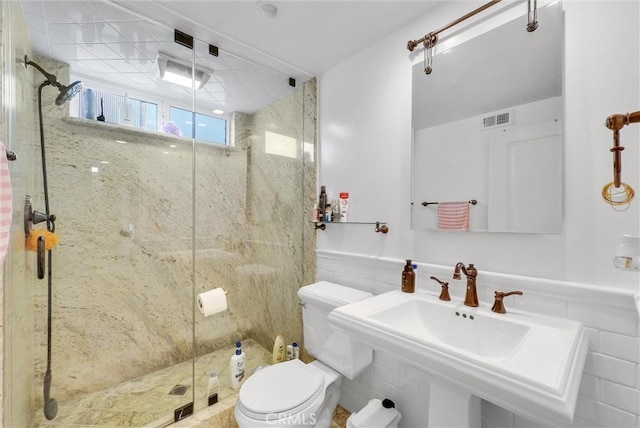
point(444, 293)
point(498, 305)
point(471, 298)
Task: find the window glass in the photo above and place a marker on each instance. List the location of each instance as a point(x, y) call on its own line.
point(208, 128)
point(96, 104)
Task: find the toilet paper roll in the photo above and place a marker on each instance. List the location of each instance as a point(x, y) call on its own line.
point(212, 301)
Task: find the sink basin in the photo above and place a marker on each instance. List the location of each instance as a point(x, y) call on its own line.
point(484, 336)
point(528, 363)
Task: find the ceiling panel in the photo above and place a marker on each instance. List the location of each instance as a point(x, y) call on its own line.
point(119, 41)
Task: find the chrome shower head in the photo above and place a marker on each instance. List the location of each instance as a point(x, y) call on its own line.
point(68, 92)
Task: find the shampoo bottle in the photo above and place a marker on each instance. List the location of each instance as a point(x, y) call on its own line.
point(88, 104)
point(213, 388)
point(278, 350)
point(408, 278)
point(296, 351)
point(126, 112)
point(236, 367)
point(344, 207)
point(289, 352)
point(322, 201)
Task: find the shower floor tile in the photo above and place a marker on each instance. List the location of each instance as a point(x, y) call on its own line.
point(145, 402)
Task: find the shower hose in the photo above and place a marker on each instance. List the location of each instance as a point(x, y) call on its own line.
point(50, 405)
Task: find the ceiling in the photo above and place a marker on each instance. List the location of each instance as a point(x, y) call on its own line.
point(118, 41)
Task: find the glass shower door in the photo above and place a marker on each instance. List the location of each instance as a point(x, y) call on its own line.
point(251, 192)
point(122, 273)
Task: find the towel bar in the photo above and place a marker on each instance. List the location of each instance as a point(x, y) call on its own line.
point(424, 204)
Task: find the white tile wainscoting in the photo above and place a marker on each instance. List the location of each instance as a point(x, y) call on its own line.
point(609, 392)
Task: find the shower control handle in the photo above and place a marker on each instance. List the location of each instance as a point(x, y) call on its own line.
point(40, 256)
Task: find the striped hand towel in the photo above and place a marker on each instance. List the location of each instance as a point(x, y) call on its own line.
point(453, 216)
point(6, 203)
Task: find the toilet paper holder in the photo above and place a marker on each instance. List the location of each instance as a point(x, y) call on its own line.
point(212, 301)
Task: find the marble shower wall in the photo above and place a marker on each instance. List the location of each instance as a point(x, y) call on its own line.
point(281, 177)
point(17, 317)
point(123, 294)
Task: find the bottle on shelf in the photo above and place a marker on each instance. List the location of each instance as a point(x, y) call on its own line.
point(279, 352)
point(289, 352)
point(322, 202)
point(328, 213)
point(296, 351)
point(125, 116)
point(236, 367)
point(213, 388)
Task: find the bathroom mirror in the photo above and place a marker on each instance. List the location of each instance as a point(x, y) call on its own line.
point(488, 126)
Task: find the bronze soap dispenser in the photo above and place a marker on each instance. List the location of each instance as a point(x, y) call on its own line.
point(408, 278)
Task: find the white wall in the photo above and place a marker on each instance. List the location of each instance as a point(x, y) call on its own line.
point(365, 148)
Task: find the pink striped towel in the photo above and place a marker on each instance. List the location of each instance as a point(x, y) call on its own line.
point(453, 216)
point(6, 203)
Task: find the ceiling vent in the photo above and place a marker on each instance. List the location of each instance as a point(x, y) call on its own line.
point(497, 120)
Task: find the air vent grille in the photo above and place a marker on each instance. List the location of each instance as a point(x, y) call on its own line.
point(497, 120)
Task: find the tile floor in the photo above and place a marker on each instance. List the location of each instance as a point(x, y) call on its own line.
point(146, 402)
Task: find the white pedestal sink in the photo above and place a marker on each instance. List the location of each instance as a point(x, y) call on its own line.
point(527, 363)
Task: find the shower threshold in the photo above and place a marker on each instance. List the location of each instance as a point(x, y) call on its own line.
point(147, 402)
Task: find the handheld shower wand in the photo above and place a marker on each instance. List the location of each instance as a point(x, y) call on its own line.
point(50, 408)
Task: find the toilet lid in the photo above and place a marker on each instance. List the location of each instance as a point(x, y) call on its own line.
point(282, 388)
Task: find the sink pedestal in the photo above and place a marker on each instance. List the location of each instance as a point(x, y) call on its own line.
point(452, 406)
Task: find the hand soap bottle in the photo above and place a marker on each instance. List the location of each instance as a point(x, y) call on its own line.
point(408, 278)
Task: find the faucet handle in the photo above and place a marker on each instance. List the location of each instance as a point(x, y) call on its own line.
point(444, 294)
point(498, 305)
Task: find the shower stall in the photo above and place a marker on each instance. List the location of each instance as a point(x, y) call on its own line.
point(146, 219)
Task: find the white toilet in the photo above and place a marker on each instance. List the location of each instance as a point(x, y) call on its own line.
point(295, 394)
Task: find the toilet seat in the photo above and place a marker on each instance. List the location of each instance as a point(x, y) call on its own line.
point(280, 390)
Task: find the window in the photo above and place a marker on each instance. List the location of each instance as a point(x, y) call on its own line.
point(94, 103)
point(103, 103)
point(208, 128)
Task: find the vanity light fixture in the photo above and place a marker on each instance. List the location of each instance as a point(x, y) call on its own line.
point(178, 72)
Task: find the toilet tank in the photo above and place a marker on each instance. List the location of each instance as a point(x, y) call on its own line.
point(334, 349)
